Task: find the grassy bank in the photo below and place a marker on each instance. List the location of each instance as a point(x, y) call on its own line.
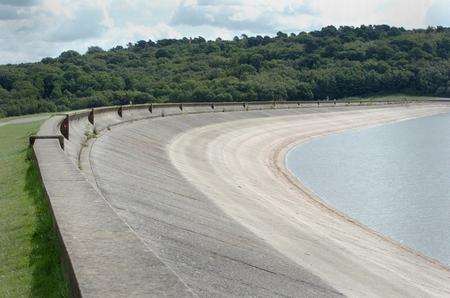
point(29, 251)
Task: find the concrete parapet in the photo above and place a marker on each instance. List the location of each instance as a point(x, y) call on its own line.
point(105, 117)
point(229, 106)
point(60, 138)
point(194, 108)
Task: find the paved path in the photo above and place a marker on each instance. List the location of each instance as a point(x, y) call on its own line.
point(24, 119)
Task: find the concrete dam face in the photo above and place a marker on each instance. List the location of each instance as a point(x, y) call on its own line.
point(194, 200)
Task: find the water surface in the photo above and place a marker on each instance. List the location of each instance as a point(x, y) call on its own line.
point(393, 178)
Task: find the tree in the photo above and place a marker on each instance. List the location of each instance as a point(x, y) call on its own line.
point(225, 96)
point(281, 35)
point(69, 56)
point(329, 31)
point(304, 91)
point(8, 76)
point(311, 45)
point(417, 53)
point(202, 93)
point(443, 48)
point(380, 51)
point(141, 44)
point(256, 60)
point(93, 50)
point(162, 53)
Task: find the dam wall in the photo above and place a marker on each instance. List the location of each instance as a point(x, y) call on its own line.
point(191, 247)
point(83, 123)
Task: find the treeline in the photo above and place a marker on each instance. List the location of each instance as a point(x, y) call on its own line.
point(332, 62)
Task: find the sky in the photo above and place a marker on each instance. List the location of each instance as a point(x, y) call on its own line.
point(33, 29)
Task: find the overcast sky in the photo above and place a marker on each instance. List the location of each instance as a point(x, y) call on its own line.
point(33, 29)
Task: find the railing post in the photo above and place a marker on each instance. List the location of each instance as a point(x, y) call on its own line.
point(61, 142)
point(64, 128)
point(91, 116)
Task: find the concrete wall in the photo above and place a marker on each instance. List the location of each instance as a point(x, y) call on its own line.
point(105, 256)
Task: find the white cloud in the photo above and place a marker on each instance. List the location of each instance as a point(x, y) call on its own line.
point(132, 32)
point(18, 2)
point(9, 13)
point(33, 29)
point(85, 23)
point(439, 13)
point(404, 12)
point(247, 16)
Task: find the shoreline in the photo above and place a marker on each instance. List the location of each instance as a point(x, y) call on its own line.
point(280, 163)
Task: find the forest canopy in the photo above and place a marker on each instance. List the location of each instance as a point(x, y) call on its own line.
point(329, 63)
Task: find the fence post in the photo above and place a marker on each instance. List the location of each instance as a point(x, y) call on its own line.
point(91, 116)
point(64, 128)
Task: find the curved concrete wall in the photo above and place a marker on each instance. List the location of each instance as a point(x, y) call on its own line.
point(105, 253)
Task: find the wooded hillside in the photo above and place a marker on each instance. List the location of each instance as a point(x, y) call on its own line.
point(332, 62)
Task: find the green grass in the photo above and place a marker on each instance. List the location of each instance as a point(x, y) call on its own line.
point(29, 250)
point(23, 116)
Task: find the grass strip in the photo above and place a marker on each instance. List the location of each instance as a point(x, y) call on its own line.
point(29, 249)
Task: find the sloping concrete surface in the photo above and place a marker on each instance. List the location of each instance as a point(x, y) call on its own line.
point(213, 254)
point(105, 257)
point(237, 164)
point(200, 205)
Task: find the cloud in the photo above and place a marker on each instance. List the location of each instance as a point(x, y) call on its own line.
point(302, 8)
point(403, 13)
point(250, 17)
point(19, 2)
point(229, 16)
point(439, 13)
point(131, 32)
point(9, 13)
point(33, 29)
point(86, 24)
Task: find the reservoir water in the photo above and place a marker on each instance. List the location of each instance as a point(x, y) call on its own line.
point(393, 178)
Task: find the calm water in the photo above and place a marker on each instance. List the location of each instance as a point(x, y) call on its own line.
point(393, 178)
